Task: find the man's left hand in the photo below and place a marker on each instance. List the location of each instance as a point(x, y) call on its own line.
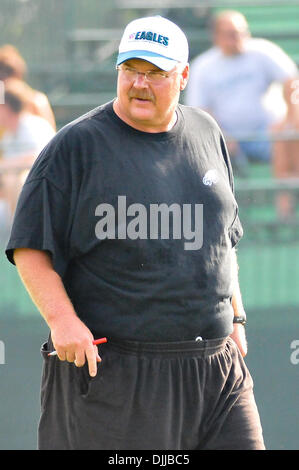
point(239, 336)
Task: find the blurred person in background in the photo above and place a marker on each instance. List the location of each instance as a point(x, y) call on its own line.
point(286, 150)
point(12, 65)
point(24, 136)
point(230, 81)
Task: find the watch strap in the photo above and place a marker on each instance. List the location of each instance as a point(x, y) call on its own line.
point(240, 319)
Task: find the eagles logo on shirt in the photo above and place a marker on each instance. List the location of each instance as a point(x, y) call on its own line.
point(210, 177)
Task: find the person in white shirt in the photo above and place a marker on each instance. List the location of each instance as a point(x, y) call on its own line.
point(13, 66)
point(29, 137)
point(231, 80)
point(25, 135)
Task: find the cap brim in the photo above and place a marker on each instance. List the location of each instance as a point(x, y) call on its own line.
point(164, 63)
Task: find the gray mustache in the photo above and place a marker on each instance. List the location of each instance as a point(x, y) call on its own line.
point(141, 95)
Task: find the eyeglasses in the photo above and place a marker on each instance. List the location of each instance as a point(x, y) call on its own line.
point(153, 76)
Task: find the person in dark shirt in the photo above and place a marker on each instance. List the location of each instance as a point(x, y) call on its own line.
point(126, 229)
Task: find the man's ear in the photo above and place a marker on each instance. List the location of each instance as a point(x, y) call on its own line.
point(184, 77)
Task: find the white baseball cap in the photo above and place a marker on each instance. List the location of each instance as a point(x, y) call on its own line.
point(156, 40)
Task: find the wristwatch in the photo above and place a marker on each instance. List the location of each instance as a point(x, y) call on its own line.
point(240, 319)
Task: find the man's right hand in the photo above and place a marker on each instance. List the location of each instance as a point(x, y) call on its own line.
point(73, 342)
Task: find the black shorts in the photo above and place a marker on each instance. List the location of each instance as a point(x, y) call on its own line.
point(151, 396)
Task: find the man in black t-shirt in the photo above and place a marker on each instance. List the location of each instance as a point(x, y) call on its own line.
point(125, 229)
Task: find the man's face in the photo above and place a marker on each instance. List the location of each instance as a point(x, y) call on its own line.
point(145, 103)
point(230, 35)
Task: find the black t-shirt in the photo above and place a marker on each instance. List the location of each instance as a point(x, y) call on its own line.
point(140, 226)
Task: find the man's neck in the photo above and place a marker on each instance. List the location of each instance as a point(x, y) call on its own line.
point(145, 126)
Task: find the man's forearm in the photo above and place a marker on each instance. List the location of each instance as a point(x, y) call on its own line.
point(72, 339)
point(43, 284)
point(237, 302)
point(238, 334)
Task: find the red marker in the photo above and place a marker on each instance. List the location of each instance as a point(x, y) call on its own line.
point(95, 341)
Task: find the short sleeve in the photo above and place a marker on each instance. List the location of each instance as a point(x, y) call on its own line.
point(236, 229)
point(42, 222)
